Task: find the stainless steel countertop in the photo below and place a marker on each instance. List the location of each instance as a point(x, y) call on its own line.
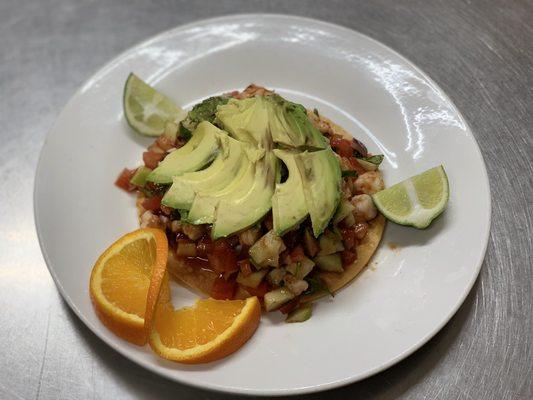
point(480, 53)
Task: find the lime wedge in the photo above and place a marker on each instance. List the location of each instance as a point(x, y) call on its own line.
point(147, 110)
point(416, 201)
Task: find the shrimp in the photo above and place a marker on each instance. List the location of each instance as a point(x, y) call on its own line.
point(365, 210)
point(369, 183)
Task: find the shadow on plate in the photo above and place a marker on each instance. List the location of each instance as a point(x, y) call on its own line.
point(406, 236)
point(387, 385)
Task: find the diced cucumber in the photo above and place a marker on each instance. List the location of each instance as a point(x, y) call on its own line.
point(139, 178)
point(302, 268)
point(310, 243)
point(265, 252)
point(301, 314)
point(276, 275)
point(276, 298)
point(253, 280)
point(330, 243)
point(345, 208)
point(330, 263)
point(171, 130)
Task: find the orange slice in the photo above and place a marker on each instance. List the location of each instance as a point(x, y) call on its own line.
point(208, 331)
point(126, 281)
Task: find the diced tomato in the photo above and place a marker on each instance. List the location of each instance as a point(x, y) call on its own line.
point(360, 230)
point(259, 291)
point(223, 289)
point(235, 94)
point(297, 254)
point(342, 146)
point(348, 257)
point(152, 203)
point(348, 238)
point(151, 159)
point(196, 262)
point(164, 142)
point(291, 305)
point(245, 267)
point(223, 257)
point(204, 246)
point(123, 180)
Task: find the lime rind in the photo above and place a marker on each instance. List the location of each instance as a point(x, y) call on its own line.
point(146, 110)
point(401, 203)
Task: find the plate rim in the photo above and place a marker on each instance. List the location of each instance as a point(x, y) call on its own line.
point(171, 374)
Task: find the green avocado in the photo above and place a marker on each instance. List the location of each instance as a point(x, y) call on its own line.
point(199, 151)
point(262, 120)
point(205, 203)
point(290, 125)
point(247, 204)
point(288, 203)
point(321, 178)
point(218, 175)
point(246, 120)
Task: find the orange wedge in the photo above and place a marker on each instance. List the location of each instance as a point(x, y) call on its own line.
point(208, 331)
point(126, 281)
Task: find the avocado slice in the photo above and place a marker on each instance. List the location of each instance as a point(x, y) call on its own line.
point(218, 175)
point(263, 119)
point(196, 154)
point(288, 203)
point(290, 126)
point(245, 120)
point(247, 204)
point(204, 205)
point(321, 178)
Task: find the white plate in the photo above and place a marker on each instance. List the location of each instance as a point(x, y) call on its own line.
point(395, 306)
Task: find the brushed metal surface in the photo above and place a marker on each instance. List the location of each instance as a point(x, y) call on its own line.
point(480, 53)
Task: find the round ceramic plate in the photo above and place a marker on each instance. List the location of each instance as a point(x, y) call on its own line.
point(415, 282)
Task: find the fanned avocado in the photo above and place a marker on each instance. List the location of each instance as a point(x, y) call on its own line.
point(280, 130)
point(288, 202)
point(248, 204)
point(245, 120)
point(204, 205)
point(217, 176)
point(242, 183)
point(196, 154)
point(321, 178)
point(271, 118)
point(291, 127)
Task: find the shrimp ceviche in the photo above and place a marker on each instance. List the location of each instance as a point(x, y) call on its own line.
point(255, 203)
point(257, 196)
